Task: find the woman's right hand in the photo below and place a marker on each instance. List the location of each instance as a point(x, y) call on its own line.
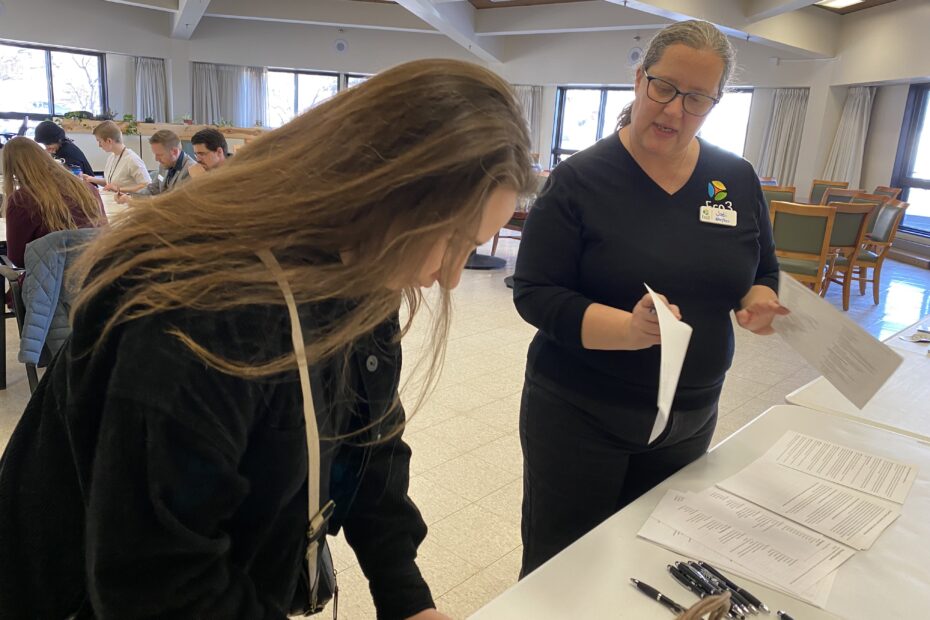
point(643, 325)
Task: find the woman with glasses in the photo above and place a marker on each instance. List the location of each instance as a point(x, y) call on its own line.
point(649, 205)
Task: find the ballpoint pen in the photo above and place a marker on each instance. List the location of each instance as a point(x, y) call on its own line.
point(700, 590)
point(736, 597)
point(783, 616)
point(714, 587)
point(749, 597)
point(655, 595)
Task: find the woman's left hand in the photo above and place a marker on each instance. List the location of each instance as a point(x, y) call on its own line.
point(760, 306)
point(429, 614)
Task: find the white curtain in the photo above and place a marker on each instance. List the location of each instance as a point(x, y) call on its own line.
point(229, 93)
point(151, 89)
point(782, 141)
point(530, 97)
point(845, 160)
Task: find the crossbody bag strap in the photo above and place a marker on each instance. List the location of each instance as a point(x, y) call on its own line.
point(318, 516)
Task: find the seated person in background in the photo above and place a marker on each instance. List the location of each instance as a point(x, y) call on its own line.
point(48, 198)
point(174, 165)
point(209, 149)
point(60, 146)
point(124, 171)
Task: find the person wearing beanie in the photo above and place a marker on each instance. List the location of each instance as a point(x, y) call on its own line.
point(60, 146)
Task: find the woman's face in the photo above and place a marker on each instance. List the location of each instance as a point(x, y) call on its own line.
point(497, 211)
point(666, 129)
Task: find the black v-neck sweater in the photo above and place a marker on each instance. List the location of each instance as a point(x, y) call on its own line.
point(601, 229)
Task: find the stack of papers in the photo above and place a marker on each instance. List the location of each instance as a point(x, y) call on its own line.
point(790, 519)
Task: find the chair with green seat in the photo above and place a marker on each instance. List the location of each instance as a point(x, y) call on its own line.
point(785, 193)
point(871, 199)
point(846, 240)
point(877, 244)
point(838, 194)
point(802, 239)
point(819, 186)
point(884, 190)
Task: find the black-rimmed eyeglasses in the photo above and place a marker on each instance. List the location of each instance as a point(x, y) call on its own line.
point(661, 91)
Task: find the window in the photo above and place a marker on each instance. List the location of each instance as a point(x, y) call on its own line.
point(352, 80)
point(43, 81)
point(585, 115)
point(726, 125)
point(912, 164)
point(292, 92)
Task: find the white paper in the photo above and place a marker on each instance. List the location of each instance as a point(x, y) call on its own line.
point(849, 358)
point(675, 338)
point(846, 466)
point(791, 556)
point(667, 536)
point(853, 518)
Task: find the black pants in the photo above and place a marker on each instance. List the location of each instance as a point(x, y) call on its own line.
point(581, 466)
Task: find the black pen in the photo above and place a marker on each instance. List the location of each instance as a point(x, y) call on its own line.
point(737, 599)
point(655, 595)
point(685, 582)
point(746, 595)
point(713, 587)
point(783, 616)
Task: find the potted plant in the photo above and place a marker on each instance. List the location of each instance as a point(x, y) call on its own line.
point(149, 119)
point(187, 119)
point(130, 128)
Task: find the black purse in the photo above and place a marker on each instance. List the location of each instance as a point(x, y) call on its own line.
point(317, 584)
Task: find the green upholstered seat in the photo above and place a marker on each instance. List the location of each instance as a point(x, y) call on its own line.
point(798, 265)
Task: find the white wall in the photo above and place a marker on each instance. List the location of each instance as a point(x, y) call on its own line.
point(881, 145)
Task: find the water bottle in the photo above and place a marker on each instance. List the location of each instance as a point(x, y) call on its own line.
point(75, 170)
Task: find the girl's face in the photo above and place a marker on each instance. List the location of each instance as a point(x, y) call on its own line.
point(497, 211)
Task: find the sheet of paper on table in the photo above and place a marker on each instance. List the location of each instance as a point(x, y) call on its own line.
point(675, 338)
point(733, 535)
point(849, 358)
point(851, 468)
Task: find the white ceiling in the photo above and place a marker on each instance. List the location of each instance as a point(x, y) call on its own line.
point(793, 28)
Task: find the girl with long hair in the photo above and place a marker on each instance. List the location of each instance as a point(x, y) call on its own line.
point(40, 196)
point(161, 468)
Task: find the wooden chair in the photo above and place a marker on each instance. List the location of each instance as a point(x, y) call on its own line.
point(838, 194)
point(818, 187)
point(887, 221)
point(871, 199)
point(518, 219)
point(784, 193)
point(849, 229)
point(884, 190)
point(802, 239)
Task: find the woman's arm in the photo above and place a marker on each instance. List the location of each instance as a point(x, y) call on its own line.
point(21, 227)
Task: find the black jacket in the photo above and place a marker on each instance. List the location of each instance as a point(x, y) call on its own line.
point(158, 487)
point(73, 156)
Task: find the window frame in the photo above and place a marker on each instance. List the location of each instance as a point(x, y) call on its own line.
point(916, 121)
point(342, 80)
point(560, 97)
point(48, 49)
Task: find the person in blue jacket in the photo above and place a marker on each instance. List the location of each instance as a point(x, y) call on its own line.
point(649, 205)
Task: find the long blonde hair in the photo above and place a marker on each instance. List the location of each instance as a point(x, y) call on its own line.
point(50, 186)
point(379, 173)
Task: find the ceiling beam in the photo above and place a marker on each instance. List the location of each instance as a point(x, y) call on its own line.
point(361, 15)
point(456, 20)
point(811, 32)
point(170, 6)
point(189, 14)
point(562, 18)
point(757, 10)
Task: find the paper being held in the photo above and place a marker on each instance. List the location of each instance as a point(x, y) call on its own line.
point(675, 336)
point(854, 362)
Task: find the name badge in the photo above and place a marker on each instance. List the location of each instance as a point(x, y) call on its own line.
point(719, 216)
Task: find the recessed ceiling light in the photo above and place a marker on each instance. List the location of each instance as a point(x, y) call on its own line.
point(838, 4)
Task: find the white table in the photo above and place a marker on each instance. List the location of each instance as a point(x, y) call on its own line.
point(590, 579)
point(902, 405)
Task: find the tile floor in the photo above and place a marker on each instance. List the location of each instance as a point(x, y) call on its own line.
point(467, 466)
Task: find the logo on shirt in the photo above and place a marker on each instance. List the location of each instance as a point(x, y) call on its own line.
point(716, 190)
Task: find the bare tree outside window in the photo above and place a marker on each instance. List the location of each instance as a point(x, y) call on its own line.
point(76, 82)
point(22, 80)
